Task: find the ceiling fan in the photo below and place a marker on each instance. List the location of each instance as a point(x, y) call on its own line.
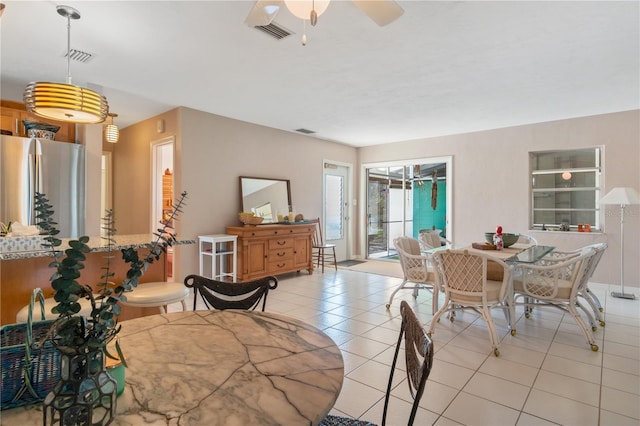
point(382, 12)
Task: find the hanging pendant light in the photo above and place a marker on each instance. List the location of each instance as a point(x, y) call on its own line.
point(111, 131)
point(66, 102)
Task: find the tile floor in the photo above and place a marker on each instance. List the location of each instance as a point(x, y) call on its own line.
point(545, 375)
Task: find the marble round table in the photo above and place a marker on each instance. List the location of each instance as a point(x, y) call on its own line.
point(221, 368)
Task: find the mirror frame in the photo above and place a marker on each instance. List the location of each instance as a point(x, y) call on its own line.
point(243, 208)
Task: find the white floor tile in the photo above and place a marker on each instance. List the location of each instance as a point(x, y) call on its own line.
point(624, 403)
point(546, 374)
point(578, 390)
point(560, 410)
point(497, 390)
point(472, 410)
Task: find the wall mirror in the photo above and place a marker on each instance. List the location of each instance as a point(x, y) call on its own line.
point(265, 197)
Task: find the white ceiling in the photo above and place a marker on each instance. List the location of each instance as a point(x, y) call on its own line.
point(442, 68)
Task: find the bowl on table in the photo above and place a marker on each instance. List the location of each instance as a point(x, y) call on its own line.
point(507, 239)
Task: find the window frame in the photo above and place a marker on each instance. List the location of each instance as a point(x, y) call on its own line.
point(597, 169)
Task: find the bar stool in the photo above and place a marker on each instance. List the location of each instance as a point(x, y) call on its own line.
point(159, 294)
point(21, 316)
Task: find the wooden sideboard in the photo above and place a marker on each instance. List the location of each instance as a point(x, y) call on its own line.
point(265, 250)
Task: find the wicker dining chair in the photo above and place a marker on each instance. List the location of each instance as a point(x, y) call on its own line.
point(418, 354)
point(464, 281)
point(415, 269)
point(227, 295)
point(558, 285)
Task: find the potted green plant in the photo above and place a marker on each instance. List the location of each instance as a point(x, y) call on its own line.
point(86, 392)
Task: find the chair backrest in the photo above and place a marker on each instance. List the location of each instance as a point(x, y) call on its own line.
point(412, 261)
point(527, 239)
point(547, 281)
point(407, 244)
point(463, 274)
point(429, 240)
point(226, 295)
point(418, 349)
point(599, 250)
point(316, 238)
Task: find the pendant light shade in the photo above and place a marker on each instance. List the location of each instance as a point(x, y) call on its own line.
point(111, 131)
point(302, 8)
point(66, 102)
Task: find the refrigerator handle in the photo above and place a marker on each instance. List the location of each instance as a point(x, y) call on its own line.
point(35, 178)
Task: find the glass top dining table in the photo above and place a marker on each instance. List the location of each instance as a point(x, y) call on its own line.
point(517, 253)
point(221, 368)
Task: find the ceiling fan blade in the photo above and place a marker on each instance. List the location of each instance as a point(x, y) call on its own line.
point(382, 12)
point(263, 12)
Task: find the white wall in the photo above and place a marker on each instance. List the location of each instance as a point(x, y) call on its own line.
point(491, 180)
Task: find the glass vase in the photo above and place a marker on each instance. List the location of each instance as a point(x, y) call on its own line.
point(85, 394)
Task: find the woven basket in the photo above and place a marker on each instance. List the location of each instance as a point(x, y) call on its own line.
point(247, 219)
point(28, 373)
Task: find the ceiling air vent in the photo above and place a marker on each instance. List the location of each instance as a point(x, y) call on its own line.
point(305, 131)
point(274, 30)
point(79, 55)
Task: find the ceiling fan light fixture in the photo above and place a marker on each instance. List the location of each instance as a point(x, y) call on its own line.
point(302, 8)
point(66, 102)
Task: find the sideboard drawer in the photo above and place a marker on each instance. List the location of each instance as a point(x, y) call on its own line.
point(280, 243)
point(278, 255)
point(279, 267)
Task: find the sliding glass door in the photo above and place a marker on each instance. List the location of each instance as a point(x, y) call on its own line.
point(404, 199)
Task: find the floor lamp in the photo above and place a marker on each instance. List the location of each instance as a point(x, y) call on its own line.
point(622, 197)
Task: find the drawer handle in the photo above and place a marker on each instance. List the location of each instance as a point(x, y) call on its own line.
point(281, 254)
point(281, 265)
point(281, 243)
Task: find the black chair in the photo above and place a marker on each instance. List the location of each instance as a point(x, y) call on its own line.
point(227, 295)
point(419, 359)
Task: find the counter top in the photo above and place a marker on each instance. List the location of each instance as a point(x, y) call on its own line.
point(96, 244)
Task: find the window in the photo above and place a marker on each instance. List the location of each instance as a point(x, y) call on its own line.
point(565, 188)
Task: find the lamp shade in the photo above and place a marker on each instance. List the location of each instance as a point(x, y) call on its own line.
point(302, 8)
point(111, 131)
point(65, 102)
point(621, 197)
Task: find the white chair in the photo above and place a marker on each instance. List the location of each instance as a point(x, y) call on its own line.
point(49, 303)
point(557, 256)
point(430, 240)
point(463, 279)
point(415, 268)
point(527, 239)
point(558, 285)
point(157, 294)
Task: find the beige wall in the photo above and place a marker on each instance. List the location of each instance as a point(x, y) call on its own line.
point(491, 180)
point(490, 176)
point(211, 153)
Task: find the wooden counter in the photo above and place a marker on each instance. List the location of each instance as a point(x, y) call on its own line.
point(20, 274)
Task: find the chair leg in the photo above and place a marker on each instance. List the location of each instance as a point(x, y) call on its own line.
point(162, 309)
point(493, 333)
point(400, 287)
point(438, 314)
point(335, 261)
point(184, 305)
point(585, 329)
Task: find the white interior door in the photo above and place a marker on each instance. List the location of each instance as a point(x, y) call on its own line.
point(336, 214)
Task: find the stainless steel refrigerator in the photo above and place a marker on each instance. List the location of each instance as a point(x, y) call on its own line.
point(56, 169)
